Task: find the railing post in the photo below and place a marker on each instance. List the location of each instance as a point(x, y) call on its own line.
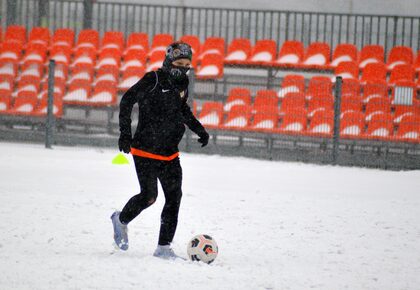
point(11, 12)
point(87, 13)
point(337, 113)
point(49, 126)
point(43, 13)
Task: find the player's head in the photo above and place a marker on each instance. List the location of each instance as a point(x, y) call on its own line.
point(178, 60)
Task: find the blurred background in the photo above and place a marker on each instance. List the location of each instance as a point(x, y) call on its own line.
point(332, 82)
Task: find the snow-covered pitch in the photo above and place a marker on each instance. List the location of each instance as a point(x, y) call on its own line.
point(278, 225)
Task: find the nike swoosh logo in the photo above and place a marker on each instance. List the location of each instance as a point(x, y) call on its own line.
point(164, 91)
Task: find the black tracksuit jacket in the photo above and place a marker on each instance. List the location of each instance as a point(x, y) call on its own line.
point(163, 111)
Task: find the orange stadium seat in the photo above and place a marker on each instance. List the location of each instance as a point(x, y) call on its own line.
point(239, 51)
point(351, 103)
point(113, 39)
point(401, 72)
point(137, 41)
point(109, 58)
point(320, 103)
point(294, 122)
point(88, 38)
point(77, 94)
point(374, 72)
point(265, 121)
point(380, 126)
point(130, 77)
point(237, 96)
point(134, 59)
point(8, 70)
point(266, 98)
point(32, 71)
point(292, 84)
point(61, 54)
point(263, 53)
point(104, 94)
point(107, 74)
point(290, 54)
point(409, 128)
point(35, 53)
point(371, 54)
point(82, 74)
point(377, 106)
point(400, 55)
point(40, 35)
point(350, 87)
point(417, 63)
point(63, 37)
point(317, 56)
point(31, 85)
point(85, 57)
point(319, 85)
point(347, 70)
point(156, 60)
point(211, 67)
point(291, 102)
point(212, 45)
point(160, 42)
point(373, 89)
point(15, 34)
point(24, 103)
point(211, 115)
point(344, 52)
point(238, 117)
point(57, 105)
point(352, 124)
point(322, 123)
point(6, 88)
point(11, 51)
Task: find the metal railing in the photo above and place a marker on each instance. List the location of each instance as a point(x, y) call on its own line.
point(332, 28)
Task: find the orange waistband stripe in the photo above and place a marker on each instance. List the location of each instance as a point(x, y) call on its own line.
point(145, 154)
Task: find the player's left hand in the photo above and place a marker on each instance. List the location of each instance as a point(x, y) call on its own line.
point(204, 138)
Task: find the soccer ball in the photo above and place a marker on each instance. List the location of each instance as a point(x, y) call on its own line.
point(202, 248)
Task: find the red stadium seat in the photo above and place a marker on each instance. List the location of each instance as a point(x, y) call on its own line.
point(352, 124)
point(77, 94)
point(134, 60)
point(107, 74)
point(85, 57)
point(114, 40)
point(31, 85)
point(374, 89)
point(137, 41)
point(294, 122)
point(8, 70)
point(32, 71)
point(237, 96)
point(292, 102)
point(344, 53)
point(61, 54)
point(40, 35)
point(292, 84)
point(409, 128)
point(156, 60)
point(130, 77)
point(347, 70)
point(15, 34)
point(57, 105)
point(160, 42)
point(88, 38)
point(266, 98)
point(213, 45)
point(109, 58)
point(377, 106)
point(211, 115)
point(371, 54)
point(317, 56)
point(82, 74)
point(11, 51)
point(351, 103)
point(104, 94)
point(63, 37)
point(380, 126)
point(24, 103)
point(238, 118)
point(350, 87)
point(239, 51)
point(322, 124)
point(6, 88)
point(290, 54)
point(400, 55)
point(319, 85)
point(401, 72)
point(265, 121)
point(263, 53)
point(374, 72)
point(211, 67)
point(35, 53)
point(320, 103)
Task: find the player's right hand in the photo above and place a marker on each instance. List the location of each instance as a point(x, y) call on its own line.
point(124, 143)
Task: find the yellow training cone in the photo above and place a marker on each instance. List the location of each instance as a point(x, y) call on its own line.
point(120, 159)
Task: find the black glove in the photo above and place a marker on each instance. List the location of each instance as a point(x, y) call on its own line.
point(204, 138)
point(124, 143)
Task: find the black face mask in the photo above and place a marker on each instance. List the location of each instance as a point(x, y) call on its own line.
point(179, 73)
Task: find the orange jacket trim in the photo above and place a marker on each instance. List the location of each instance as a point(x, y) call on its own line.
point(145, 154)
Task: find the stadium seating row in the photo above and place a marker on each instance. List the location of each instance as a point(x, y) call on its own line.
point(91, 50)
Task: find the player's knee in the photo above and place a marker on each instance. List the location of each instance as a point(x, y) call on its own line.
point(151, 201)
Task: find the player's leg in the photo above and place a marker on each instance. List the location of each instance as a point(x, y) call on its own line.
point(171, 180)
point(147, 174)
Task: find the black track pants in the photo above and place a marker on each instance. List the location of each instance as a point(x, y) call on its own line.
point(169, 174)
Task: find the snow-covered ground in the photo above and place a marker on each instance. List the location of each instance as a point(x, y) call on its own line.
point(278, 225)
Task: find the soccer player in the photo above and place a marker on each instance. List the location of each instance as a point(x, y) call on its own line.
point(163, 110)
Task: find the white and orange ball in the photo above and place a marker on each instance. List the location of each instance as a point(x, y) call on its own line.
point(202, 248)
